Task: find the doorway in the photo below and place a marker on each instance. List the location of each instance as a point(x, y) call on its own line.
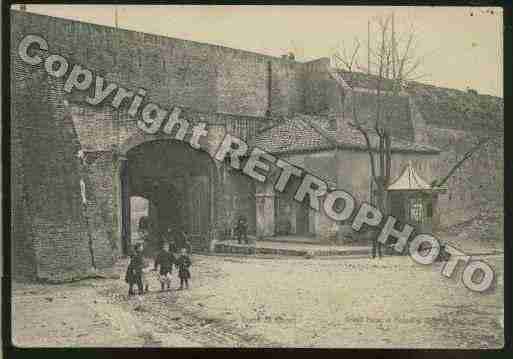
point(177, 181)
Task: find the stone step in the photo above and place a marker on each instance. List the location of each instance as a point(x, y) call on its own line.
point(252, 249)
point(198, 243)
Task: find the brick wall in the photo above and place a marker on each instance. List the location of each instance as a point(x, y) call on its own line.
point(105, 244)
point(175, 72)
point(49, 232)
point(23, 256)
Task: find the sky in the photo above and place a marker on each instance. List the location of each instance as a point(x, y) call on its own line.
point(461, 47)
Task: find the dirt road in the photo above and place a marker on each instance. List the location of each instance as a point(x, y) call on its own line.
point(248, 302)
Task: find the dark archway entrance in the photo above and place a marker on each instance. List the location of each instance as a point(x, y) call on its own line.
point(291, 217)
point(179, 183)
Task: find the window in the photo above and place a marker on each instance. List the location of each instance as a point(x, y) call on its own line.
point(416, 210)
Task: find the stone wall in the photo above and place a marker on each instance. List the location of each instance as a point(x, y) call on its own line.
point(395, 110)
point(240, 200)
point(478, 185)
point(317, 87)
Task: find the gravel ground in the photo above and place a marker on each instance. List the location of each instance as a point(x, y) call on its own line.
point(249, 302)
point(69, 315)
point(392, 302)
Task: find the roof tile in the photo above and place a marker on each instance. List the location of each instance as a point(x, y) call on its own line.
point(300, 134)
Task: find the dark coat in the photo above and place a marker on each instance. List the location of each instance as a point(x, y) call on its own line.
point(183, 263)
point(172, 246)
point(135, 268)
point(241, 228)
point(166, 261)
point(181, 241)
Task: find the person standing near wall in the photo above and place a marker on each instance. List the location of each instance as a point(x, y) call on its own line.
point(183, 263)
point(165, 259)
point(135, 271)
point(241, 230)
point(181, 240)
point(170, 239)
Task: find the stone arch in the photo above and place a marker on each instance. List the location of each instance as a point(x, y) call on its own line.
point(138, 138)
point(136, 143)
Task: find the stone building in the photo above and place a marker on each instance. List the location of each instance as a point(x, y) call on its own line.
point(337, 153)
point(289, 108)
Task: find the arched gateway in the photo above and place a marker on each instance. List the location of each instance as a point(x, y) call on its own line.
point(179, 182)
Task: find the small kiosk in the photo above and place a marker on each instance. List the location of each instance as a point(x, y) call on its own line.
point(414, 201)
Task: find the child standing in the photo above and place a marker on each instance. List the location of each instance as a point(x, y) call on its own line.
point(166, 260)
point(183, 263)
point(241, 230)
point(134, 273)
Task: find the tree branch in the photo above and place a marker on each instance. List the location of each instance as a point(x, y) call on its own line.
point(466, 156)
point(369, 149)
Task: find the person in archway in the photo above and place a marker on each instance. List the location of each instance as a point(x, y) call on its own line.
point(134, 274)
point(171, 241)
point(181, 240)
point(183, 263)
point(241, 230)
point(165, 259)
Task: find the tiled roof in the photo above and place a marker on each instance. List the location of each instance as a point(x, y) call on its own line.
point(310, 133)
point(292, 135)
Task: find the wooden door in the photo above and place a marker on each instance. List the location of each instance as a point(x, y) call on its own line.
point(397, 206)
point(302, 219)
point(125, 207)
point(199, 216)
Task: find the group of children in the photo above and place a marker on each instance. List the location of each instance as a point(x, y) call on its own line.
point(166, 259)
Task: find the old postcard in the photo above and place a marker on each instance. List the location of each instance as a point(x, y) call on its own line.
point(256, 176)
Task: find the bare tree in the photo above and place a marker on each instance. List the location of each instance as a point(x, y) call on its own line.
point(391, 62)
